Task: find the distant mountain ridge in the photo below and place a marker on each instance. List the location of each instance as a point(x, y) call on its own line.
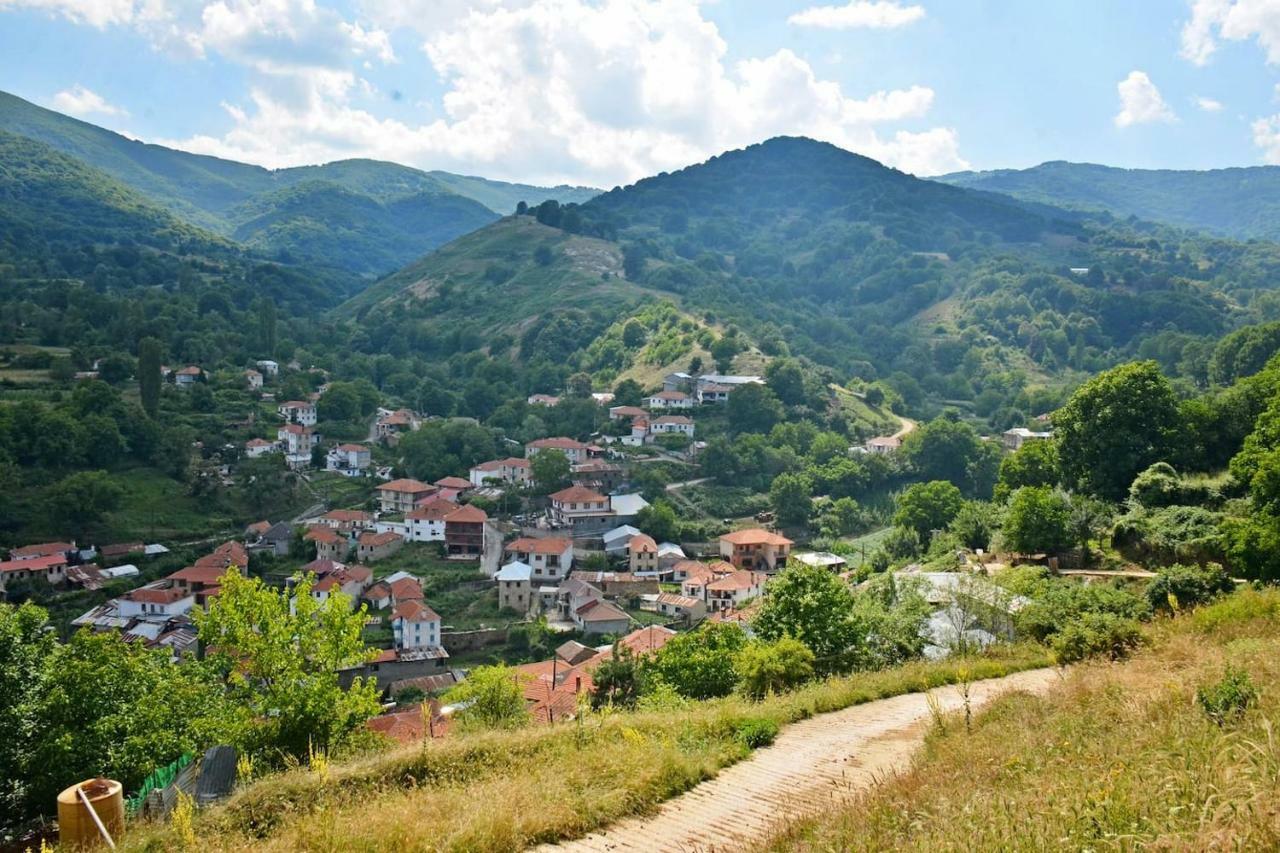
point(1242, 202)
point(374, 217)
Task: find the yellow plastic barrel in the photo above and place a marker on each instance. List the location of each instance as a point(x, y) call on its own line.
point(76, 827)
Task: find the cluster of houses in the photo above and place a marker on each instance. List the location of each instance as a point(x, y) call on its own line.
point(537, 577)
point(67, 564)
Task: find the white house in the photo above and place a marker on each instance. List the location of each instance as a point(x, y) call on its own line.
point(670, 400)
point(1018, 436)
point(682, 607)
point(731, 591)
point(415, 626)
point(512, 470)
point(296, 441)
point(350, 460)
point(550, 558)
point(188, 376)
point(575, 450)
point(425, 523)
point(255, 447)
point(267, 366)
point(716, 387)
point(298, 412)
point(576, 502)
point(160, 600)
point(671, 425)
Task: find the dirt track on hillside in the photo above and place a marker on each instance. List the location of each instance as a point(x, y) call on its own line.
point(813, 765)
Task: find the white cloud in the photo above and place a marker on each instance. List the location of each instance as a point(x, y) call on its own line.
point(79, 101)
point(1140, 101)
point(1231, 20)
point(1266, 135)
point(879, 15)
point(95, 13)
point(1208, 105)
point(582, 91)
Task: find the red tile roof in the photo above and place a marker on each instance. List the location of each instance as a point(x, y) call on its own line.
point(578, 494)
point(754, 536)
point(453, 483)
point(737, 581)
point(327, 535)
point(499, 464)
point(204, 575)
point(433, 509)
point(43, 549)
point(375, 540)
point(557, 443)
point(467, 514)
point(406, 589)
point(642, 544)
point(405, 485)
point(669, 395)
point(156, 595)
point(415, 611)
point(353, 448)
point(347, 515)
point(549, 545)
point(33, 564)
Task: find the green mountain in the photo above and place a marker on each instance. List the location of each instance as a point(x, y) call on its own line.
point(950, 294)
point(395, 213)
point(1243, 203)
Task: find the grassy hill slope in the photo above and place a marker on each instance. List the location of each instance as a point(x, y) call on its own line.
point(1243, 203)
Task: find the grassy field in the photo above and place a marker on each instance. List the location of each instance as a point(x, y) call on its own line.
point(1122, 757)
point(864, 546)
point(504, 790)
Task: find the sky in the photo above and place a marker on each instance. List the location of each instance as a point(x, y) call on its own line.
point(604, 92)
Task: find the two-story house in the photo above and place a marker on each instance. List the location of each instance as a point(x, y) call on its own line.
point(755, 549)
point(464, 533)
point(298, 412)
point(403, 495)
point(350, 460)
point(512, 471)
point(575, 450)
point(551, 558)
point(415, 626)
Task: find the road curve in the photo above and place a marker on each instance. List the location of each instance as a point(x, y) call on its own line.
point(813, 765)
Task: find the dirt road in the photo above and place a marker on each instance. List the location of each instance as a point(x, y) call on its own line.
point(813, 765)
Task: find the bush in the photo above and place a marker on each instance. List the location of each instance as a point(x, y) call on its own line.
point(755, 732)
point(1227, 699)
point(1186, 586)
point(1095, 634)
point(1058, 603)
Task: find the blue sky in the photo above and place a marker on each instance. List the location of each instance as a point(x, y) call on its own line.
point(605, 91)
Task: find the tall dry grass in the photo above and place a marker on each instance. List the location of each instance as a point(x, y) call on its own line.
point(1121, 758)
point(500, 791)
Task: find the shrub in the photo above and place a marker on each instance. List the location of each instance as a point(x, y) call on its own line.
point(1245, 606)
point(1061, 602)
point(1186, 586)
point(755, 732)
point(1095, 634)
point(1227, 699)
point(765, 668)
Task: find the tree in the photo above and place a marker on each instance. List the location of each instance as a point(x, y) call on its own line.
point(80, 500)
point(1088, 519)
point(340, 403)
point(95, 705)
point(948, 449)
point(443, 448)
point(974, 524)
point(659, 520)
point(149, 356)
point(542, 255)
point(280, 652)
point(789, 497)
point(1033, 464)
point(492, 697)
point(753, 408)
point(842, 518)
point(1038, 520)
point(550, 470)
point(201, 398)
point(617, 679)
point(786, 379)
point(814, 606)
point(267, 326)
point(579, 385)
point(1114, 426)
point(926, 507)
point(765, 668)
point(723, 351)
point(628, 393)
point(633, 334)
point(698, 664)
point(115, 368)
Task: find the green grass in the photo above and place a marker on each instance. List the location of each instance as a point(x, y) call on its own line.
point(864, 546)
point(156, 507)
point(490, 791)
point(1121, 757)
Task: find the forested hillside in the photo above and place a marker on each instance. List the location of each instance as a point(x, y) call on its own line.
point(985, 302)
point(1243, 203)
point(363, 217)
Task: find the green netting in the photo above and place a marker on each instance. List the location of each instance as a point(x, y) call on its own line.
point(161, 778)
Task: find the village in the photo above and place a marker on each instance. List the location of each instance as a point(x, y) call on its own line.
point(573, 563)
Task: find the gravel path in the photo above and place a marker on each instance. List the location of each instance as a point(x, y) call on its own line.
point(813, 765)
